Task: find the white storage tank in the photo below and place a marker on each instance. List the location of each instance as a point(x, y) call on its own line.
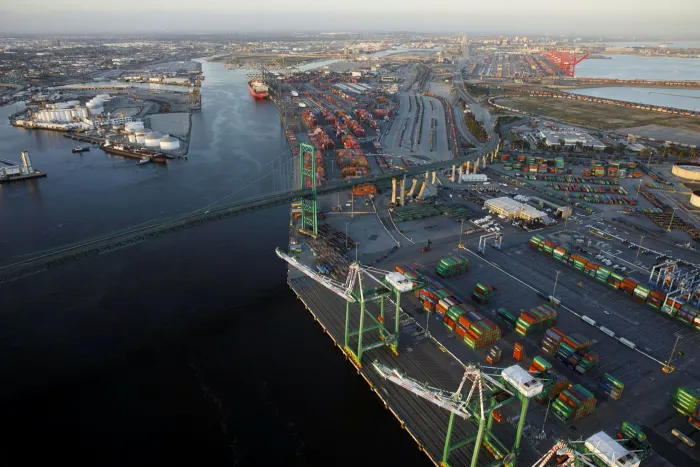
point(73, 103)
point(169, 143)
point(141, 137)
point(153, 140)
point(66, 115)
point(62, 105)
point(132, 138)
point(97, 111)
point(133, 126)
point(104, 97)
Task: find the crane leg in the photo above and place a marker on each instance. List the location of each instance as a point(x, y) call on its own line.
point(347, 323)
point(448, 437)
point(382, 332)
point(477, 445)
point(395, 343)
point(524, 401)
point(362, 328)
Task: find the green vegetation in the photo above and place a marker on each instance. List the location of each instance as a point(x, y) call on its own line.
point(476, 128)
point(505, 120)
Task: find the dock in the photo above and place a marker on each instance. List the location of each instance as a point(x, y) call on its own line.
point(19, 178)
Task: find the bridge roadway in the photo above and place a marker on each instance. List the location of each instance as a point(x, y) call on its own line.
point(43, 261)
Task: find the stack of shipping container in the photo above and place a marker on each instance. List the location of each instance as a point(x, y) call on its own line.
point(685, 401)
point(611, 386)
point(482, 293)
point(452, 266)
point(507, 316)
point(535, 319)
point(352, 163)
point(539, 365)
point(574, 404)
point(518, 352)
point(655, 299)
point(572, 350)
point(494, 355)
point(476, 331)
point(634, 439)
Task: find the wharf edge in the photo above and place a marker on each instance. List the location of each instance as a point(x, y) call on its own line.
point(402, 423)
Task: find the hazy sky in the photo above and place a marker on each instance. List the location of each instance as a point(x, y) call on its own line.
point(641, 17)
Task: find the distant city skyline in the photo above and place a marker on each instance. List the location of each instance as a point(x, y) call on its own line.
point(675, 18)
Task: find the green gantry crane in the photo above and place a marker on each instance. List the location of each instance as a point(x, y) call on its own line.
point(487, 393)
point(364, 285)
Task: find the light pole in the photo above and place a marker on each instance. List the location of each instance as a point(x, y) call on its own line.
point(427, 324)
point(545, 414)
point(668, 368)
point(346, 236)
point(555, 283)
point(461, 232)
point(670, 224)
point(639, 249)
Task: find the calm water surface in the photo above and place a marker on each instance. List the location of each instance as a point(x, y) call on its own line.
point(188, 350)
point(632, 66)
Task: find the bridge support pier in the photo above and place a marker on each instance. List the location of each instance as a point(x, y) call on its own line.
point(434, 177)
point(461, 171)
point(468, 166)
point(483, 162)
point(454, 173)
point(393, 191)
point(427, 175)
point(403, 190)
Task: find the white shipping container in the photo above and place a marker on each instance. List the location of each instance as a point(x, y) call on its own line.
point(628, 343)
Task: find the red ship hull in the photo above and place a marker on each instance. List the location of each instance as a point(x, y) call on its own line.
point(257, 95)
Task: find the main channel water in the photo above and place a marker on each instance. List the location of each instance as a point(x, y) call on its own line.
point(187, 350)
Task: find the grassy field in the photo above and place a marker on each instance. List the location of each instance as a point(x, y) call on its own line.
point(590, 114)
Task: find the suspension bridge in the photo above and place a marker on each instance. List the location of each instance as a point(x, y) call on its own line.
point(13, 269)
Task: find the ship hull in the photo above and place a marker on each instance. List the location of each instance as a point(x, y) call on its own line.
point(257, 95)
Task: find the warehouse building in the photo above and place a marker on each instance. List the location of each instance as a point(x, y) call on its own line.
point(571, 138)
point(511, 209)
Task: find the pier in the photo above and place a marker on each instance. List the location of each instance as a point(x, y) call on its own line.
point(10, 171)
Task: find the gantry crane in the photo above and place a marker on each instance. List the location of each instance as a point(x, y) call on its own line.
point(356, 290)
point(576, 453)
point(493, 391)
point(565, 61)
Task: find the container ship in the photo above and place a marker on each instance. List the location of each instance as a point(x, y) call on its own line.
point(258, 89)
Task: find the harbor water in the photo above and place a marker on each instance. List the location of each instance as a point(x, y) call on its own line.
point(187, 350)
point(687, 99)
point(636, 67)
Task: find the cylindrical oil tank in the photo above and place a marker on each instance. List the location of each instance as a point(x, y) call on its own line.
point(92, 103)
point(62, 105)
point(695, 199)
point(132, 138)
point(153, 140)
point(73, 103)
point(66, 115)
point(104, 97)
point(686, 170)
point(169, 143)
point(97, 110)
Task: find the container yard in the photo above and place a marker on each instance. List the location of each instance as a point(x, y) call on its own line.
point(524, 301)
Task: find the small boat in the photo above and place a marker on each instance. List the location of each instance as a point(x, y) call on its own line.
point(81, 149)
point(144, 160)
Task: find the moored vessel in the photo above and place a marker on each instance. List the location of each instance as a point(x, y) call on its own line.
point(81, 149)
point(258, 89)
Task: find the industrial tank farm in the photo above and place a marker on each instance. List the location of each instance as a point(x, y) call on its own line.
point(695, 198)
point(687, 171)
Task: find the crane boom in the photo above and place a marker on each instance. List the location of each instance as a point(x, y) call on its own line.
point(330, 284)
point(434, 395)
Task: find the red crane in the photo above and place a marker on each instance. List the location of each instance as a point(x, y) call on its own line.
point(565, 61)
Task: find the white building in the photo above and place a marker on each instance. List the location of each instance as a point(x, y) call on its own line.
point(98, 122)
point(510, 208)
point(571, 138)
